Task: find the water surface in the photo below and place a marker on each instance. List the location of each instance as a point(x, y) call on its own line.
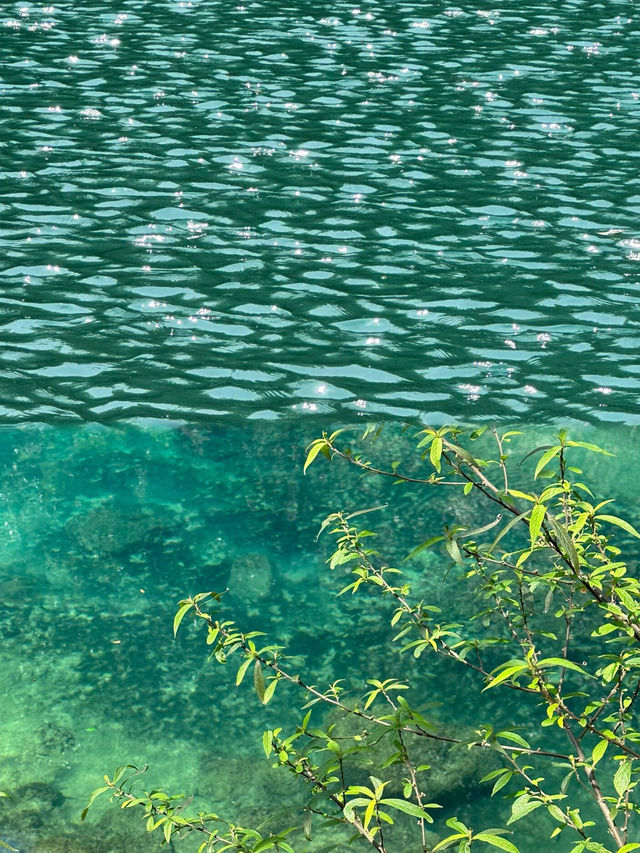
point(216, 210)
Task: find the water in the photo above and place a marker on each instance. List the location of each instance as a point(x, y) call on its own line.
point(216, 210)
point(219, 216)
point(105, 528)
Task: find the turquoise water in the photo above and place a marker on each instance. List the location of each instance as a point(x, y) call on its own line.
point(224, 228)
point(105, 528)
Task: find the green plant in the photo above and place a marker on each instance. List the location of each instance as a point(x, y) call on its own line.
point(557, 627)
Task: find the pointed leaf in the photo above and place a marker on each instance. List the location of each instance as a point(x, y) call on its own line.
point(599, 750)
point(258, 680)
point(496, 841)
point(426, 544)
point(544, 460)
point(448, 841)
point(409, 808)
point(242, 669)
point(533, 452)
point(435, 452)
point(535, 522)
point(622, 778)
point(566, 543)
point(267, 743)
point(506, 529)
point(177, 619)
point(271, 689)
point(619, 522)
point(588, 446)
point(506, 674)
point(566, 664)
point(521, 807)
point(314, 448)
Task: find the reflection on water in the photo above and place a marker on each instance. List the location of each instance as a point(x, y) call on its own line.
point(105, 529)
point(215, 210)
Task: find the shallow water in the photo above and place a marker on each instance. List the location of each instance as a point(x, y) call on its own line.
point(216, 210)
point(104, 529)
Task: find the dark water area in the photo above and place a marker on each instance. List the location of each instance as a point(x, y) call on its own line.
point(227, 211)
point(224, 228)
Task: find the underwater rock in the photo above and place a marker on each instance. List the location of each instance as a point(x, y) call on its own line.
point(56, 738)
point(107, 529)
point(37, 795)
point(250, 577)
point(215, 552)
point(28, 808)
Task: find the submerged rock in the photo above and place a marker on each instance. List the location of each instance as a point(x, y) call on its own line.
point(250, 578)
point(56, 738)
point(215, 552)
point(107, 529)
point(28, 808)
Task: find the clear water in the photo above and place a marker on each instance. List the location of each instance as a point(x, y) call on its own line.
point(105, 528)
point(219, 216)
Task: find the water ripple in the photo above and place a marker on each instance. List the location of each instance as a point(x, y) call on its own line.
point(218, 211)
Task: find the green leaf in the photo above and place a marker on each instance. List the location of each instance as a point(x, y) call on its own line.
point(496, 841)
point(566, 543)
point(456, 824)
point(449, 841)
point(435, 452)
point(368, 813)
point(271, 689)
point(177, 619)
point(627, 848)
point(242, 670)
point(426, 544)
point(535, 521)
point(267, 742)
point(506, 674)
point(533, 452)
point(521, 807)
point(410, 808)
point(517, 494)
point(258, 681)
point(588, 446)
point(599, 750)
point(566, 664)
point(506, 529)
point(622, 778)
point(471, 534)
point(557, 813)
point(454, 551)
point(265, 844)
point(467, 487)
point(167, 831)
point(317, 446)
point(501, 782)
point(92, 797)
point(619, 522)
point(306, 825)
point(546, 457)
point(514, 737)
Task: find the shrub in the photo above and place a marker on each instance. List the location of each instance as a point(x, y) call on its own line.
point(556, 631)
